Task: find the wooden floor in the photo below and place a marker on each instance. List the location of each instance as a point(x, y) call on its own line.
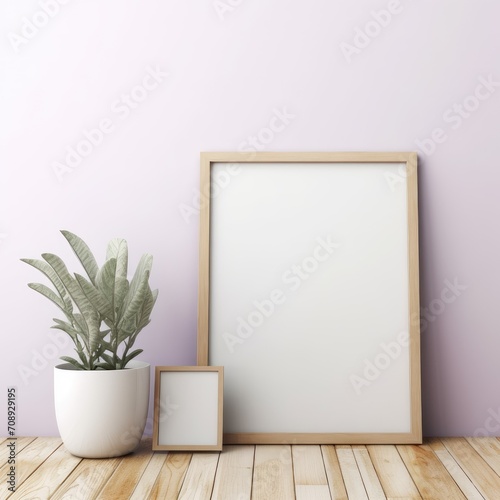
point(454, 468)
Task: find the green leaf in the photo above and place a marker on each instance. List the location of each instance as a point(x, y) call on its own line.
point(143, 267)
point(74, 362)
point(66, 327)
point(107, 362)
point(112, 285)
point(106, 346)
point(82, 328)
point(96, 297)
point(130, 356)
point(85, 256)
point(49, 272)
point(74, 334)
point(147, 308)
point(47, 292)
point(104, 366)
point(86, 309)
point(108, 359)
point(84, 359)
point(128, 322)
point(117, 249)
point(93, 322)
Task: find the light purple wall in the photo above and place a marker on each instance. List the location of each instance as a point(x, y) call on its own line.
point(231, 64)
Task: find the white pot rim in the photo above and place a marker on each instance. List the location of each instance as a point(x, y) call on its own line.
point(134, 364)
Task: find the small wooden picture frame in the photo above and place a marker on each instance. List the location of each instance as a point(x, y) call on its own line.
point(188, 408)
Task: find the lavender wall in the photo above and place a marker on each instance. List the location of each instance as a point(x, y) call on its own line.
point(166, 80)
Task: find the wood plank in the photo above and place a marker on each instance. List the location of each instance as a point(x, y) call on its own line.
point(455, 471)
point(49, 476)
point(20, 444)
point(5, 453)
point(234, 473)
point(147, 481)
point(368, 473)
point(394, 477)
point(489, 449)
point(87, 479)
point(350, 472)
point(171, 476)
point(480, 473)
point(273, 473)
point(312, 492)
point(333, 473)
point(429, 474)
point(308, 466)
point(28, 460)
point(124, 479)
point(199, 480)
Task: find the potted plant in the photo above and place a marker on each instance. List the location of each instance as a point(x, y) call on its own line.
point(101, 395)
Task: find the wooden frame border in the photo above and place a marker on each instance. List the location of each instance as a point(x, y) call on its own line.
point(156, 423)
point(410, 160)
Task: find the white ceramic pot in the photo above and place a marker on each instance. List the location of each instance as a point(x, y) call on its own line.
point(101, 413)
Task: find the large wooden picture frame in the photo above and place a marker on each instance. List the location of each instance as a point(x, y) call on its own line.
point(309, 295)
